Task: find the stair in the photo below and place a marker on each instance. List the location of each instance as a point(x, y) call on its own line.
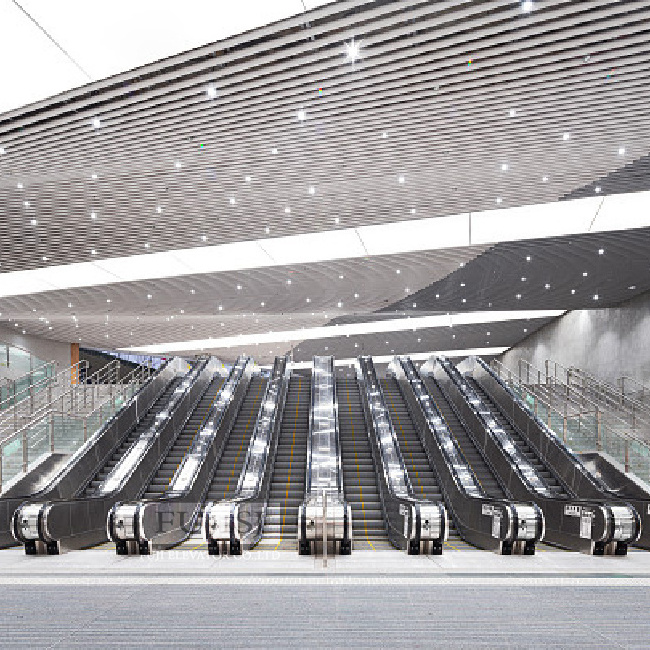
point(133, 435)
point(473, 456)
point(423, 480)
point(288, 481)
point(226, 477)
point(167, 469)
point(359, 478)
point(542, 469)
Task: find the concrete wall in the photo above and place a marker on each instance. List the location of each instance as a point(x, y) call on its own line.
point(44, 349)
point(608, 343)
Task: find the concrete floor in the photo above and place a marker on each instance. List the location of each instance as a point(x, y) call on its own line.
point(462, 599)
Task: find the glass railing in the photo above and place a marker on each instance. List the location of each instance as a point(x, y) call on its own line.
point(13, 391)
point(583, 432)
point(58, 432)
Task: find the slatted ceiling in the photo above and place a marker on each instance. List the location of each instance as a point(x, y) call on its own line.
point(634, 177)
point(461, 337)
point(448, 132)
point(374, 279)
point(493, 279)
point(537, 61)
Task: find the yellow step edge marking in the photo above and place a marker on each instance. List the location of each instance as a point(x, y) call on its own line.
point(356, 460)
point(205, 417)
point(406, 444)
point(241, 444)
point(293, 442)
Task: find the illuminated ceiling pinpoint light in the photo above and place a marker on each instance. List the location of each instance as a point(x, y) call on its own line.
point(301, 115)
point(211, 92)
point(3, 151)
point(352, 50)
point(504, 167)
point(401, 180)
point(19, 186)
point(621, 151)
point(527, 6)
point(598, 189)
point(96, 123)
point(566, 136)
point(312, 189)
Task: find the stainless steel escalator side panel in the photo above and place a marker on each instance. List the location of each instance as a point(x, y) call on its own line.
point(325, 507)
point(588, 526)
point(411, 522)
point(81, 522)
point(239, 521)
point(87, 460)
point(500, 525)
point(554, 452)
point(169, 520)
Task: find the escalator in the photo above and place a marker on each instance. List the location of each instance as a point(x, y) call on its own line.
point(542, 469)
point(173, 459)
point(423, 480)
point(226, 477)
point(135, 433)
point(288, 482)
point(359, 478)
point(484, 473)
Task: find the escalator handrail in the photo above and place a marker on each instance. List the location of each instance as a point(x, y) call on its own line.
point(377, 407)
point(519, 463)
point(149, 436)
point(265, 428)
point(548, 432)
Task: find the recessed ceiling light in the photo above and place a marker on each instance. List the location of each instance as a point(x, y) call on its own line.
point(499, 200)
point(34, 222)
point(384, 135)
point(525, 330)
point(415, 305)
point(308, 299)
point(340, 277)
point(93, 215)
point(632, 287)
point(192, 291)
point(239, 287)
point(547, 286)
point(19, 186)
point(598, 189)
point(527, 6)
point(108, 300)
point(464, 301)
point(287, 210)
point(621, 151)
point(93, 177)
point(412, 210)
point(397, 271)
point(596, 297)
point(301, 115)
point(523, 279)
point(585, 274)
point(262, 304)
point(211, 91)
point(513, 112)
point(352, 50)
point(337, 220)
point(566, 136)
point(247, 179)
point(2, 151)
point(573, 291)
point(518, 296)
point(93, 251)
point(401, 179)
point(159, 210)
point(26, 204)
point(528, 258)
point(339, 304)
point(232, 200)
point(274, 151)
point(437, 296)
point(504, 167)
point(220, 307)
point(544, 179)
point(601, 251)
point(312, 189)
point(146, 245)
point(267, 230)
point(356, 295)
point(96, 122)
point(204, 238)
point(178, 164)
